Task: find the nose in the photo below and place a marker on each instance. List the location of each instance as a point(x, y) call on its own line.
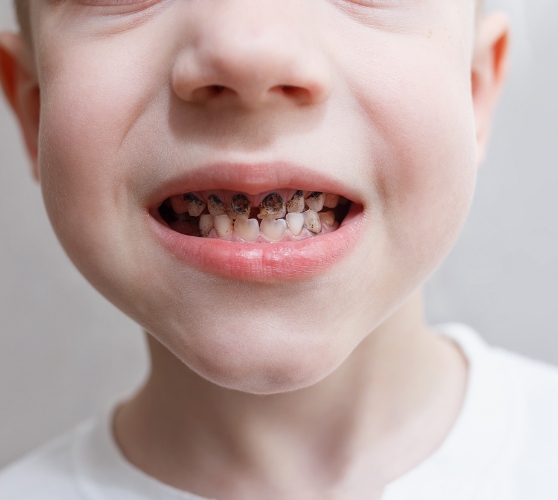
point(253, 53)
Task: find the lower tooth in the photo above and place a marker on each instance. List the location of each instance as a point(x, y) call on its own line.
point(247, 229)
point(295, 222)
point(273, 229)
point(327, 218)
point(206, 224)
point(223, 225)
point(312, 222)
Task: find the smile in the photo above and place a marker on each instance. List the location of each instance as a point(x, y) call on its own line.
point(236, 230)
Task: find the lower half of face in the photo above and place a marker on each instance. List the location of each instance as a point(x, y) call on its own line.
point(257, 227)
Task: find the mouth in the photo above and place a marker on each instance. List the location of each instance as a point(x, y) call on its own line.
point(281, 232)
point(278, 216)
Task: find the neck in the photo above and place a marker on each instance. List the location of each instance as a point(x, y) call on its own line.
point(402, 386)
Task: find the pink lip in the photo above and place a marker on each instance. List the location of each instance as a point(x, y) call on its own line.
point(257, 261)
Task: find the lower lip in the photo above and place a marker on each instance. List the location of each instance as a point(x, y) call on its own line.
point(263, 261)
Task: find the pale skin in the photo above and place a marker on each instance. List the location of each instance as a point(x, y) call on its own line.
point(330, 386)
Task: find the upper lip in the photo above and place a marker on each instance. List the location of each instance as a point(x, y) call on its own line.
point(251, 178)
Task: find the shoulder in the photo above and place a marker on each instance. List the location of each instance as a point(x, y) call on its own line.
point(44, 474)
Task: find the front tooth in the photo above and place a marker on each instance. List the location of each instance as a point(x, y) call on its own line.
point(327, 218)
point(312, 222)
point(179, 204)
point(296, 204)
point(215, 205)
point(295, 222)
point(273, 229)
point(240, 207)
point(272, 207)
point(195, 205)
point(331, 200)
point(223, 225)
point(206, 224)
point(315, 201)
point(247, 229)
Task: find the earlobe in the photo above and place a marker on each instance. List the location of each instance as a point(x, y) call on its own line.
point(21, 88)
point(488, 72)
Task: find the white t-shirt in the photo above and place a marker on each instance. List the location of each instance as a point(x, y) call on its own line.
point(504, 445)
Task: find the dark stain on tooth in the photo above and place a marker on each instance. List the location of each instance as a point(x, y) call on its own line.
point(298, 194)
point(240, 204)
point(193, 198)
point(215, 199)
point(315, 194)
point(272, 203)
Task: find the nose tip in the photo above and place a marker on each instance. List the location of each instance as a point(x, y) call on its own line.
point(250, 70)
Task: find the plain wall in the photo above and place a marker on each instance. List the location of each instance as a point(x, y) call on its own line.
point(65, 352)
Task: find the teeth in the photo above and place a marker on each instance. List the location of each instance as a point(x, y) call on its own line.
point(297, 203)
point(331, 200)
point(179, 204)
point(194, 204)
point(247, 229)
point(312, 222)
point(315, 201)
point(223, 225)
point(327, 218)
point(295, 222)
point(240, 207)
point(206, 224)
point(272, 207)
point(273, 229)
point(215, 205)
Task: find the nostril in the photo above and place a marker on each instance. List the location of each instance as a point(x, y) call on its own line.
point(299, 94)
point(208, 92)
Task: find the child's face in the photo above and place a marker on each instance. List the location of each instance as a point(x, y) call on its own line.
point(142, 100)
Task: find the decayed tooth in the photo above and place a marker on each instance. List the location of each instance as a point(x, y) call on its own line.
point(331, 200)
point(272, 207)
point(312, 222)
point(296, 204)
point(179, 204)
point(206, 224)
point(215, 205)
point(240, 207)
point(195, 205)
point(295, 222)
point(315, 201)
point(247, 229)
point(273, 229)
point(223, 225)
point(327, 218)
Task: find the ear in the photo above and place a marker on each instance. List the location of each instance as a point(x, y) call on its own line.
point(488, 72)
point(21, 88)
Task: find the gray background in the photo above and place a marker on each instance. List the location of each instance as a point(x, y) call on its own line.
point(65, 351)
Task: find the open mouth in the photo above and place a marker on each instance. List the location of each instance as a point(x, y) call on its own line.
point(276, 216)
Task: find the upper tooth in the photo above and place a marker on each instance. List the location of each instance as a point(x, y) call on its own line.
point(273, 229)
point(223, 225)
point(194, 204)
point(315, 201)
point(312, 222)
point(327, 218)
point(240, 207)
point(215, 205)
point(295, 222)
point(296, 204)
point(179, 204)
point(331, 200)
point(272, 207)
point(247, 229)
point(206, 224)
